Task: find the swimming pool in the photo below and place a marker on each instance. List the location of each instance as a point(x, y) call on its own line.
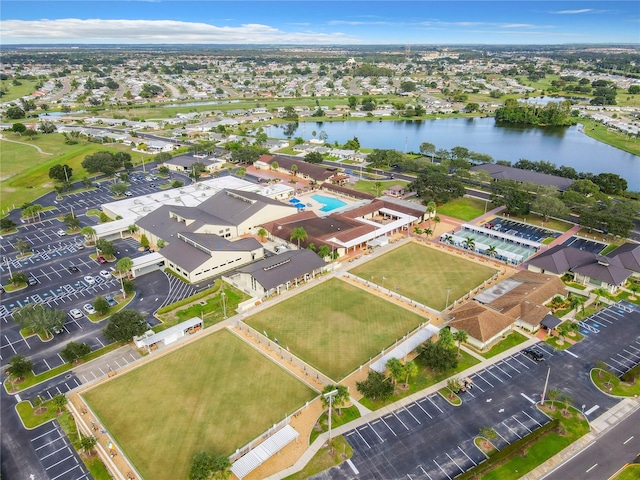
point(330, 203)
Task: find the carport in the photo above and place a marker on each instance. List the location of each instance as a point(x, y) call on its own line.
point(263, 452)
point(170, 335)
point(550, 322)
point(147, 264)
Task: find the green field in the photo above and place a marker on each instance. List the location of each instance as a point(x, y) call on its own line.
point(25, 171)
point(424, 274)
point(214, 395)
point(335, 327)
point(464, 208)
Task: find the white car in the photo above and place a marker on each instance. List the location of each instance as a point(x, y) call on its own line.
point(75, 313)
point(87, 307)
point(61, 233)
point(89, 279)
point(105, 274)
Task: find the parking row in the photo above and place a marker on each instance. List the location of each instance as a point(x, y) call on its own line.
point(56, 454)
point(626, 359)
point(584, 244)
point(49, 361)
point(38, 256)
point(523, 230)
point(604, 318)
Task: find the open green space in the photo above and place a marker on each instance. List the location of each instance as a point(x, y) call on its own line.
point(213, 395)
point(425, 274)
point(340, 416)
point(328, 456)
point(335, 326)
point(512, 339)
point(368, 186)
point(611, 384)
point(13, 92)
point(20, 184)
point(630, 472)
point(464, 208)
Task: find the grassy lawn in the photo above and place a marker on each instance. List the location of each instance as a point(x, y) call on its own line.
point(424, 379)
point(558, 344)
point(345, 416)
point(28, 414)
point(369, 187)
point(464, 208)
point(514, 338)
point(335, 327)
point(27, 184)
point(572, 427)
point(215, 394)
point(630, 472)
point(424, 274)
point(17, 91)
point(325, 459)
point(611, 384)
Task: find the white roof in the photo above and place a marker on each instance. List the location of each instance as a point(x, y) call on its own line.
point(263, 452)
point(405, 347)
point(158, 337)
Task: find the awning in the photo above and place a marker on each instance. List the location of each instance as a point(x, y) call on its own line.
point(263, 452)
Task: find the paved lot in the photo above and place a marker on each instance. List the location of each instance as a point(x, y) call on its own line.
point(56, 454)
point(524, 230)
point(584, 244)
point(401, 444)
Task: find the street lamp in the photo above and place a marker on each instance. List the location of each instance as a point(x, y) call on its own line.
point(224, 305)
point(330, 396)
point(546, 383)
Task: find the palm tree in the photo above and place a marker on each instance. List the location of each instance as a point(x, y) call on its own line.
point(89, 233)
point(339, 399)
point(417, 230)
point(396, 370)
point(324, 251)
point(124, 265)
point(431, 209)
point(294, 169)
point(298, 234)
point(436, 219)
point(566, 401)
point(448, 239)
point(411, 370)
point(428, 232)
point(378, 186)
point(460, 336)
point(262, 233)
point(132, 229)
point(469, 244)
point(275, 165)
point(553, 394)
point(492, 251)
point(574, 303)
point(59, 401)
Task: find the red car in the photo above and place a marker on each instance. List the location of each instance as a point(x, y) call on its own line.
point(101, 260)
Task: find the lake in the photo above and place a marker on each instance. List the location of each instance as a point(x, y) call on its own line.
point(560, 145)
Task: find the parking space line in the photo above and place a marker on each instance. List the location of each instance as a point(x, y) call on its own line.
point(517, 360)
point(508, 442)
point(434, 461)
point(65, 446)
point(619, 363)
point(548, 352)
point(400, 420)
point(64, 473)
point(631, 353)
point(539, 424)
point(360, 435)
point(493, 375)
point(527, 428)
point(483, 379)
point(429, 398)
point(49, 443)
point(61, 461)
point(426, 413)
point(375, 431)
point(425, 472)
point(475, 385)
point(461, 470)
point(498, 367)
point(530, 399)
point(412, 416)
point(394, 433)
point(9, 343)
point(626, 358)
point(512, 431)
point(465, 454)
point(511, 366)
point(44, 434)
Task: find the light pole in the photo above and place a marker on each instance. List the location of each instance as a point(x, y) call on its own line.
point(546, 383)
point(330, 396)
point(224, 305)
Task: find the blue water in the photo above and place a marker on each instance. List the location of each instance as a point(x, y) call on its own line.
point(329, 203)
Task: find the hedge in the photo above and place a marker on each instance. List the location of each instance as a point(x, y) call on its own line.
point(632, 375)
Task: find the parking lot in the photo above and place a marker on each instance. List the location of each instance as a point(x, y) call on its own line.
point(584, 244)
point(56, 454)
point(431, 439)
point(519, 229)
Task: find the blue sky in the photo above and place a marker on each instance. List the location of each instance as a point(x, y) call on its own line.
point(319, 22)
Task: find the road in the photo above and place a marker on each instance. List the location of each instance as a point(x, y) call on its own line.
point(606, 455)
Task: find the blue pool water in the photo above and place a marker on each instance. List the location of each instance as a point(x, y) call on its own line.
point(329, 203)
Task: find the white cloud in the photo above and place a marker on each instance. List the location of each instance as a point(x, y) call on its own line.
point(155, 31)
point(573, 12)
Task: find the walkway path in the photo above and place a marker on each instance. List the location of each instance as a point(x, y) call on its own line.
point(25, 143)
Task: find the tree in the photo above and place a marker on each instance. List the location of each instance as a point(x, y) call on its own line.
point(124, 325)
point(71, 221)
point(124, 265)
point(40, 319)
point(396, 370)
point(221, 467)
point(74, 351)
point(201, 467)
point(492, 251)
point(101, 305)
point(410, 370)
point(438, 357)
point(324, 251)
point(313, 157)
point(553, 394)
point(89, 233)
point(59, 402)
point(298, 234)
point(262, 233)
point(445, 337)
point(106, 247)
point(245, 155)
point(431, 209)
point(460, 336)
point(118, 189)
point(339, 399)
point(18, 128)
point(378, 186)
point(19, 366)
point(437, 187)
point(19, 278)
point(163, 170)
point(469, 243)
point(144, 241)
point(22, 246)
point(7, 224)
point(549, 207)
point(14, 113)
point(60, 173)
point(376, 386)
point(87, 444)
point(566, 402)
point(47, 127)
point(294, 169)
point(129, 286)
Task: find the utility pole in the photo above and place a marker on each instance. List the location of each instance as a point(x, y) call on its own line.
point(546, 383)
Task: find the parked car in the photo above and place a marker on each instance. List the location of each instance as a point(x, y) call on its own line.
point(128, 193)
point(32, 280)
point(87, 307)
point(105, 274)
point(111, 301)
point(61, 233)
point(75, 313)
point(533, 355)
point(89, 279)
point(80, 246)
point(101, 260)
point(73, 268)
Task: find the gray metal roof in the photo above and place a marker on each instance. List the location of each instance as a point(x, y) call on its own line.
point(280, 269)
point(236, 206)
point(161, 225)
point(502, 171)
point(186, 256)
